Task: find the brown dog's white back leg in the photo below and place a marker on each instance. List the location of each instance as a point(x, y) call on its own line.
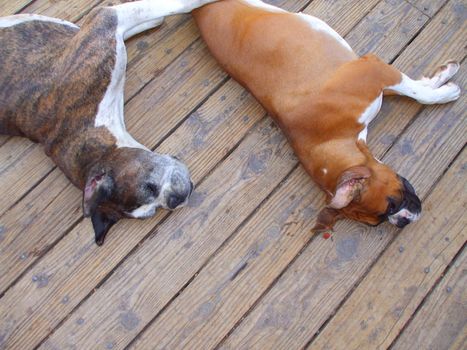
point(430, 90)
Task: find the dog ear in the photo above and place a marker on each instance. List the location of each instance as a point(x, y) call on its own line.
point(97, 190)
point(327, 217)
point(349, 185)
point(101, 223)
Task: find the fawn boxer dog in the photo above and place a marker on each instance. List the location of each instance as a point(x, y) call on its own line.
point(323, 96)
point(62, 86)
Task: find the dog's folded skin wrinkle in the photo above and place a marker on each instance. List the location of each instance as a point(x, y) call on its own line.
point(323, 96)
point(63, 86)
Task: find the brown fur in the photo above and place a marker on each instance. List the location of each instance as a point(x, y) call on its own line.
point(313, 87)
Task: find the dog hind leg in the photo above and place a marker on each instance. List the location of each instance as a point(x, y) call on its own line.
point(429, 90)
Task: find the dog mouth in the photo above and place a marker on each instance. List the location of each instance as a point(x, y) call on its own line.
point(403, 218)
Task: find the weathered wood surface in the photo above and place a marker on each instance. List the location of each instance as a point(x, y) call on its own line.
point(429, 7)
point(441, 323)
point(238, 266)
point(10, 7)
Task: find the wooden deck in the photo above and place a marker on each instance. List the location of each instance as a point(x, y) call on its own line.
point(238, 268)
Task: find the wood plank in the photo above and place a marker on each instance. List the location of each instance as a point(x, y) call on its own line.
point(385, 300)
point(19, 162)
point(70, 10)
point(341, 15)
point(441, 323)
point(279, 231)
point(430, 7)
point(388, 27)
point(314, 285)
point(10, 7)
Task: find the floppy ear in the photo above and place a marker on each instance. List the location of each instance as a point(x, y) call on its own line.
point(349, 185)
point(327, 217)
point(101, 223)
point(98, 189)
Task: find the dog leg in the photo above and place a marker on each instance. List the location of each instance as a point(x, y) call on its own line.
point(142, 28)
point(134, 17)
point(429, 90)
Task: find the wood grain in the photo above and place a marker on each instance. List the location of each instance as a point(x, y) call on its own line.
point(10, 7)
point(429, 7)
point(442, 320)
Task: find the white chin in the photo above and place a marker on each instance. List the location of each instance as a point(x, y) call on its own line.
point(144, 212)
point(404, 213)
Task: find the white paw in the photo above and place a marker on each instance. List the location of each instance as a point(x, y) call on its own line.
point(449, 92)
point(443, 74)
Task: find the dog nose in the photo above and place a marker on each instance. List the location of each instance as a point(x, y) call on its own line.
point(402, 222)
point(175, 200)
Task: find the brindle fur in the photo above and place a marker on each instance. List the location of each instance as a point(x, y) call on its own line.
point(62, 86)
point(36, 97)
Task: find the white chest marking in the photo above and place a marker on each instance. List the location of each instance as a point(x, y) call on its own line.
point(322, 26)
point(10, 21)
point(325, 171)
point(110, 113)
point(369, 114)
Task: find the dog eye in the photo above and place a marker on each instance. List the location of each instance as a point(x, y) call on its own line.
point(391, 207)
point(154, 189)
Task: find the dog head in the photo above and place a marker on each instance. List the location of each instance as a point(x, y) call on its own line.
point(371, 194)
point(133, 183)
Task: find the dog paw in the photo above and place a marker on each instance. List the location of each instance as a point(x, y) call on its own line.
point(443, 74)
point(450, 92)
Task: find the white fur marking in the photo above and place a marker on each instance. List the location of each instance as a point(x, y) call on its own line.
point(263, 5)
point(133, 14)
point(320, 25)
point(405, 214)
point(110, 113)
point(369, 114)
point(144, 212)
point(324, 170)
point(424, 93)
point(10, 21)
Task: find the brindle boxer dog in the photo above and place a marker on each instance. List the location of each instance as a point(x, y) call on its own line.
point(323, 96)
point(62, 86)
